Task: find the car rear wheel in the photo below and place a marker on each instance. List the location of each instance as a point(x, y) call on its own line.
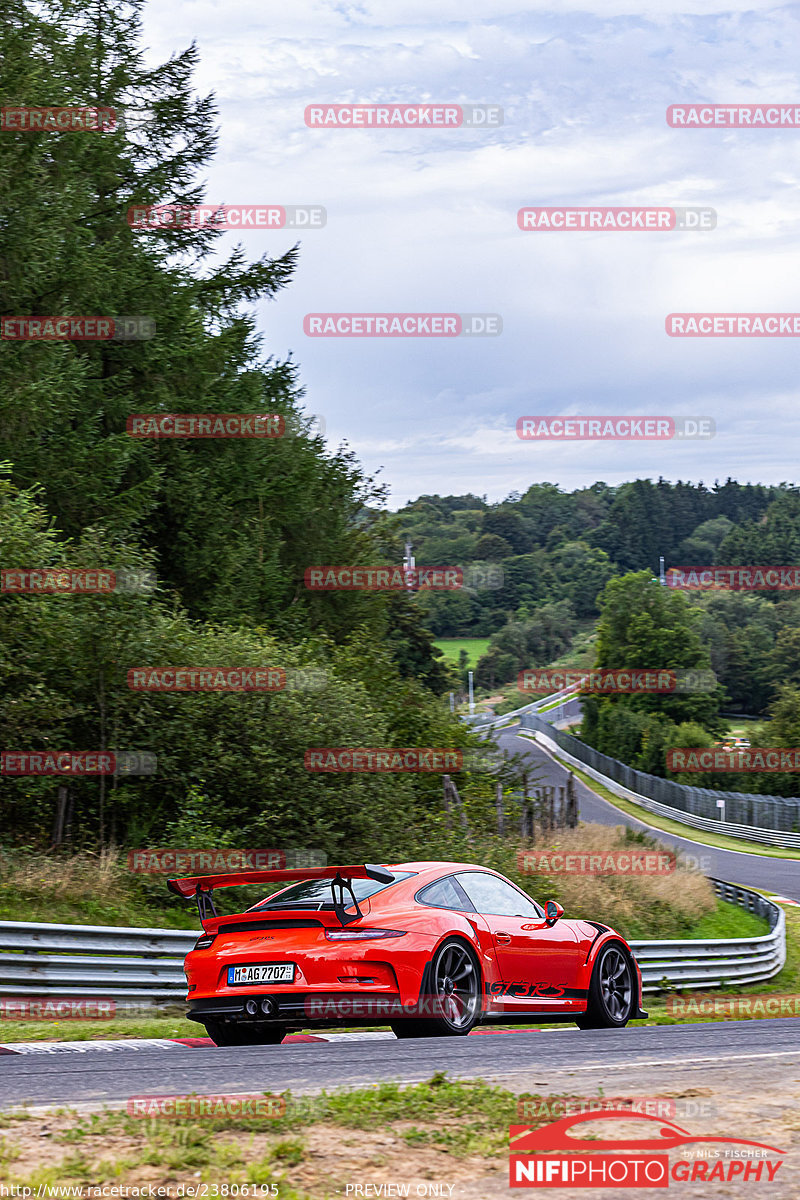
point(455, 995)
point(611, 991)
point(230, 1033)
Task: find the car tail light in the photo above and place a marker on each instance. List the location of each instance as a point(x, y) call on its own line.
point(205, 941)
point(358, 935)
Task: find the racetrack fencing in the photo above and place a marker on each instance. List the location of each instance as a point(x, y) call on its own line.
point(772, 820)
point(142, 969)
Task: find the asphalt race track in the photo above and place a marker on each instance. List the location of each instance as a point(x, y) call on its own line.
point(780, 875)
point(523, 1061)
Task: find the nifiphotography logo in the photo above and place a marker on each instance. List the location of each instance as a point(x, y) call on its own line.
point(554, 1156)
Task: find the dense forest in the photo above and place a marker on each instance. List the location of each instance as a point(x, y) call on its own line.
point(568, 562)
point(555, 551)
point(227, 526)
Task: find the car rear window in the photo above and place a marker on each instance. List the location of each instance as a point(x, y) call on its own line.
point(316, 893)
point(445, 894)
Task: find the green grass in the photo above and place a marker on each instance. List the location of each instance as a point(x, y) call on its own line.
point(729, 921)
point(452, 647)
point(464, 1118)
point(89, 912)
point(156, 1026)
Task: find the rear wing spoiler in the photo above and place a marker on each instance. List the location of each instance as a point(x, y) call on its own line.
point(201, 887)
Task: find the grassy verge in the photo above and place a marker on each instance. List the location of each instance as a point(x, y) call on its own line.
point(668, 826)
point(438, 1129)
point(452, 647)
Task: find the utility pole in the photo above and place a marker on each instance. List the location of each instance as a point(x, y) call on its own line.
point(409, 563)
point(662, 579)
point(471, 696)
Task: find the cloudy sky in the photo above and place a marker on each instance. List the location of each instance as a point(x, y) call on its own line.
point(425, 221)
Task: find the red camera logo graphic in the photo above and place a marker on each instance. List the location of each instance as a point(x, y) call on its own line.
point(611, 1163)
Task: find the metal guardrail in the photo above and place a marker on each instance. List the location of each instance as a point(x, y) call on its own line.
point(144, 967)
point(123, 964)
point(719, 961)
point(480, 721)
point(771, 820)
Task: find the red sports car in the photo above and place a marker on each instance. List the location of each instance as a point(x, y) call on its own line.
point(429, 948)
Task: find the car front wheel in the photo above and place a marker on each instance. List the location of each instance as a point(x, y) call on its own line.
point(611, 991)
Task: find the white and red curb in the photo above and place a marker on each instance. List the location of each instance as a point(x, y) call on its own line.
point(200, 1043)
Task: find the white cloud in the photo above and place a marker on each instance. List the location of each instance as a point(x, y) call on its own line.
point(426, 221)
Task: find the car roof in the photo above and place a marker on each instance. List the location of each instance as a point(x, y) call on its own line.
point(436, 868)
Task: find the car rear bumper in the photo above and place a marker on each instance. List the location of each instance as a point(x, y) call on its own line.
point(301, 1008)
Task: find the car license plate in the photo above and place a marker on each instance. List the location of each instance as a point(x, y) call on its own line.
point(262, 973)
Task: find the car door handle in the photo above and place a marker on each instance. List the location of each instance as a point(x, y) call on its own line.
point(504, 939)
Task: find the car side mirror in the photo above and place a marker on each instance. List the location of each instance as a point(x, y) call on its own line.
point(552, 911)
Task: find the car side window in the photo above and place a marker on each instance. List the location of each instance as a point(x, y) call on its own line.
point(444, 894)
point(495, 897)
